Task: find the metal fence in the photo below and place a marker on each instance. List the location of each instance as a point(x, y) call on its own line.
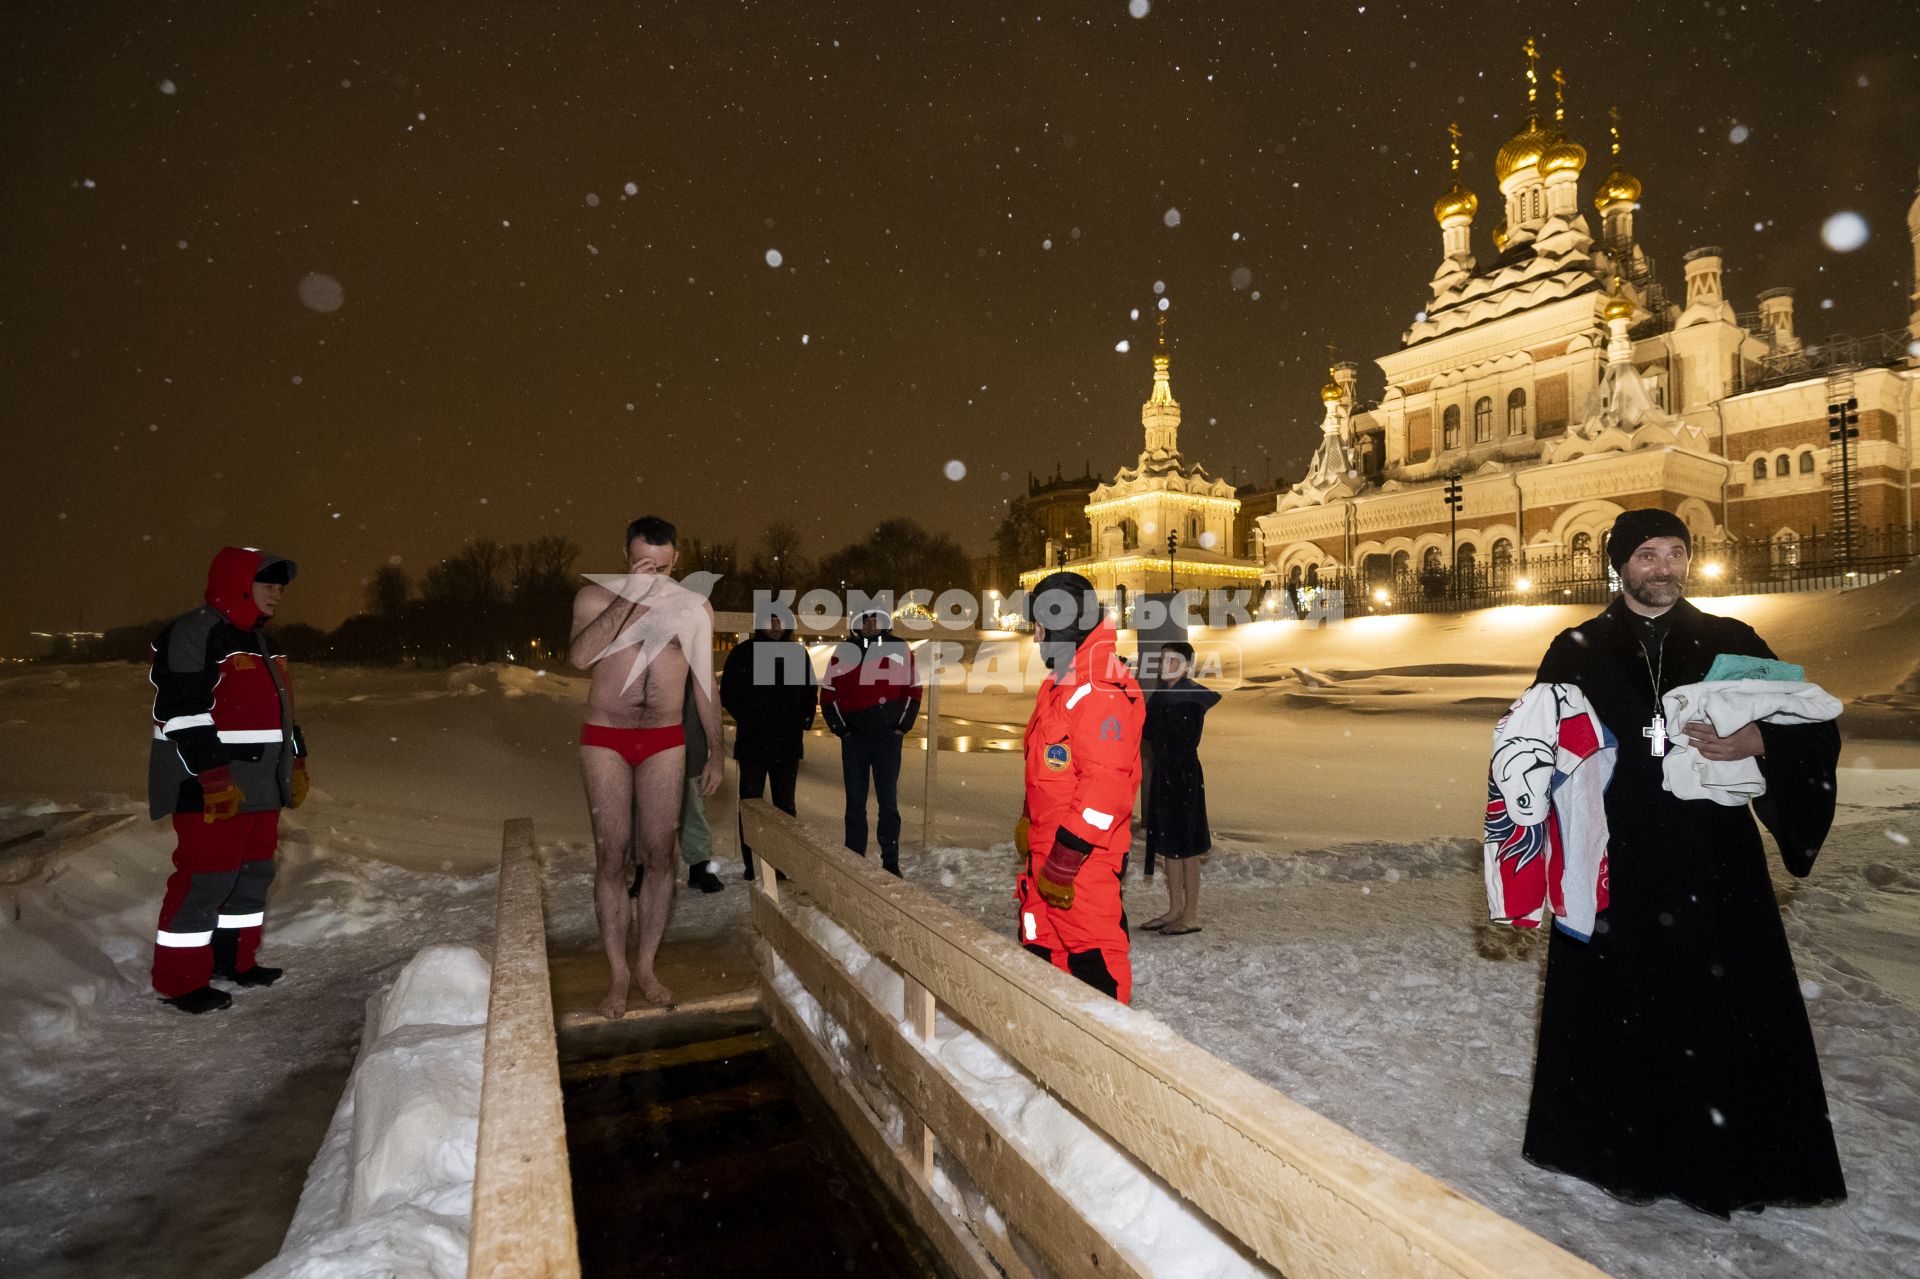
point(1817, 562)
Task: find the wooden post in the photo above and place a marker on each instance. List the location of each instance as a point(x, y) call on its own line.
point(522, 1189)
point(917, 1009)
point(931, 708)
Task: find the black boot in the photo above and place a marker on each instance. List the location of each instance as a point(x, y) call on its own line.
point(703, 878)
point(891, 865)
point(204, 1000)
point(258, 975)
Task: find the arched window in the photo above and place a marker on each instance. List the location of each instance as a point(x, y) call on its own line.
point(1313, 576)
point(1582, 549)
point(1129, 535)
point(1502, 554)
point(1782, 466)
point(1806, 462)
point(1516, 412)
point(1430, 559)
point(1464, 558)
point(1483, 419)
point(1401, 562)
point(1759, 468)
point(1293, 576)
point(1450, 427)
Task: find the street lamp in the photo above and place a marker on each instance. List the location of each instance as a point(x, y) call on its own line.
point(1173, 545)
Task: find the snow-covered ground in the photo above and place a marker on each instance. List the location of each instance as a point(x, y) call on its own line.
point(1343, 960)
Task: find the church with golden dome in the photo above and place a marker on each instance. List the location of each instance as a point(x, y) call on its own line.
point(1162, 523)
point(1555, 380)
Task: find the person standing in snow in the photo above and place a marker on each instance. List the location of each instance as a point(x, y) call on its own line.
point(1177, 830)
point(227, 756)
point(1082, 747)
point(870, 699)
point(642, 635)
point(1674, 1055)
point(767, 686)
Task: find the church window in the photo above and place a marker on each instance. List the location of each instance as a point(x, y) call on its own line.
point(1678, 376)
point(1450, 427)
point(1401, 561)
point(1582, 548)
point(1313, 576)
point(1516, 412)
point(1806, 463)
point(1430, 558)
point(1293, 576)
point(1782, 467)
point(1464, 557)
point(1483, 419)
point(1759, 468)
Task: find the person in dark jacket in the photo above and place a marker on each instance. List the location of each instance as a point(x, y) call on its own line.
point(226, 757)
point(767, 686)
point(870, 698)
point(1177, 831)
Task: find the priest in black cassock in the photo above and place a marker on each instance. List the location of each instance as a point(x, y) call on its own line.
point(1675, 1058)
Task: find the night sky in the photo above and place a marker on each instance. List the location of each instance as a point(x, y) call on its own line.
point(545, 231)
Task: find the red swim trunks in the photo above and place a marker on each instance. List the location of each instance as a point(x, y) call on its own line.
point(633, 744)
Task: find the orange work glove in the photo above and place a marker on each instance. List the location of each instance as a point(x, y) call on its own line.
point(301, 783)
point(1020, 844)
point(220, 798)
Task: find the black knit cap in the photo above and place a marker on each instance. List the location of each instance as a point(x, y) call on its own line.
point(1065, 603)
point(1635, 528)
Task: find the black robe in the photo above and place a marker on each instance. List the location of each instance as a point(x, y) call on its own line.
point(1176, 787)
point(1675, 1057)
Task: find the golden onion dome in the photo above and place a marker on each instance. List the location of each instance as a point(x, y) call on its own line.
point(1618, 187)
point(1500, 237)
point(1523, 151)
point(1456, 201)
point(1618, 307)
point(1331, 391)
point(1563, 154)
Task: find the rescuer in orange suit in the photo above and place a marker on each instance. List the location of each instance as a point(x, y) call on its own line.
point(1083, 771)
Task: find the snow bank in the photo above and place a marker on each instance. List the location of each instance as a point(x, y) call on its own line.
point(1124, 1201)
point(391, 1191)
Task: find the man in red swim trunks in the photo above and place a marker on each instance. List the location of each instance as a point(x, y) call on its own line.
point(641, 635)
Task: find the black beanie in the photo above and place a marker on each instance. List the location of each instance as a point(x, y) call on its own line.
point(1635, 528)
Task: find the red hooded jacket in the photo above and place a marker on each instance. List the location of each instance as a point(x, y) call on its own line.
point(222, 696)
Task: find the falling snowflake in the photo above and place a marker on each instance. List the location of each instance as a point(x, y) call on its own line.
point(593, 201)
point(1123, 346)
point(1738, 134)
point(773, 257)
point(321, 292)
point(1171, 217)
point(1164, 304)
point(955, 470)
point(1844, 231)
point(169, 88)
point(1139, 8)
point(1242, 277)
point(632, 188)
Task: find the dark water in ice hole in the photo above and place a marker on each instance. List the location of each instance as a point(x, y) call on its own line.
point(702, 1150)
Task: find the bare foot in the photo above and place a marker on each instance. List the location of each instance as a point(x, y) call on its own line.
point(614, 1006)
point(654, 993)
point(1158, 921)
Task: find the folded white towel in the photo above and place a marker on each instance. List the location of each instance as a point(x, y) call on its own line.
point(1729, 705)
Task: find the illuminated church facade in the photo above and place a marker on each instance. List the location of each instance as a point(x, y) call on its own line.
point(1560, 385)
point(1163, 522)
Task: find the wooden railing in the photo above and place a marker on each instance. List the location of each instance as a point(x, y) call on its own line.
point(522, 1189)
point(1295, 1190)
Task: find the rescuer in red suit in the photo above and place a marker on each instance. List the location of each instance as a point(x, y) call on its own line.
point(1083, 771)
point(226, 758)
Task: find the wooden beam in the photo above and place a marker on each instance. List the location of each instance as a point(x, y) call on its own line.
point(522, 1188)
point(959, 1249)
point(1303, 1194)
point(1017, 1187)
point(752, 1041)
